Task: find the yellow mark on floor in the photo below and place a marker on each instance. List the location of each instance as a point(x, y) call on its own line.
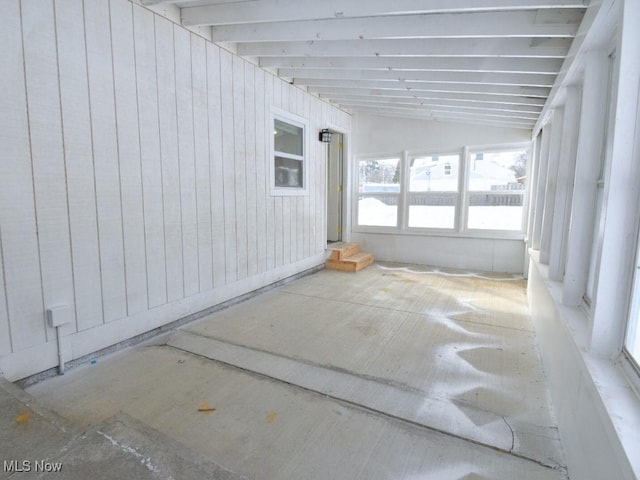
point(367, 331)
point(271, 417)
point(205, 408)
point(23, 418)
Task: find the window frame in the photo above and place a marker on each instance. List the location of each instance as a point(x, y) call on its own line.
point(458, 192)
point(296, 121)
point(602, 186)
point(461, 210)
point(509, 233)
point(399, 195)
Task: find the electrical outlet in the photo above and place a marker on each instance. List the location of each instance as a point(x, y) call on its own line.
point(58, 315)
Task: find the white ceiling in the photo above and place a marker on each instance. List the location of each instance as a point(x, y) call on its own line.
point(484, 61)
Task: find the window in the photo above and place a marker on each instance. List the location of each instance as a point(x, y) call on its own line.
point(469, 192)
point(632, 338)
point(289, 169)
point(433, 191)
point(598, 223)
point(496, 190)
point(378, 192)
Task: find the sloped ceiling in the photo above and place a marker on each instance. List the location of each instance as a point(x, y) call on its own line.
point(484, 61)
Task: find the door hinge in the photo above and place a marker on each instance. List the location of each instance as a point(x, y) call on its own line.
point(339, 188)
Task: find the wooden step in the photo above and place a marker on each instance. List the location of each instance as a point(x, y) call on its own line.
point(353, 263)
point(342, 250)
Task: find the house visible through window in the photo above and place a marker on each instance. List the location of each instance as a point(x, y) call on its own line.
point(478, 191)
point(496, 190)
point(433, 191)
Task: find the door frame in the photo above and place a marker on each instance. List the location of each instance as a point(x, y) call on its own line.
point(346, 183)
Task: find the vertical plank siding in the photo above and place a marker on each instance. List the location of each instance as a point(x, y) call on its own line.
point(124, 75)
point(76, 122)
point(135, 176)
point(150, 156)
point(240, 157)
point(201, 150)
point(228, 166)
point(47, 153)
point(105, 158)
point(170, 166)
point(24, 319)
point(215, 164)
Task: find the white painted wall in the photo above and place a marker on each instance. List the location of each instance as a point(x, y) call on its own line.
point(378, 135)
point(133, 177)
point(479, 254)
point(383, 135)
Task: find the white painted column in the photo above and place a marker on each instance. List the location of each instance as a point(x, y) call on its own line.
point(532, 176)
point(564, 189)
point(555, 143)
point(589, 152)
point(462, 212)
point(541, 184)
point(621, 197)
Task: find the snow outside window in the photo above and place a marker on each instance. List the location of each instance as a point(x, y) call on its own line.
point(496, 185)
point(378, 192)
point(433, 191)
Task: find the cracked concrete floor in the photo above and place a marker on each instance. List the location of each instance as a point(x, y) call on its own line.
point(394, 372)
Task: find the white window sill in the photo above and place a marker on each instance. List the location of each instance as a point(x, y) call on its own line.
point(480, 234)
point(289, 192)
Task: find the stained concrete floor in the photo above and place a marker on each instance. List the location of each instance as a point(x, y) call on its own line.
point(396, 372)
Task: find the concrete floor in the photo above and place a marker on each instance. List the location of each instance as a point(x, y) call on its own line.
point(396, 372)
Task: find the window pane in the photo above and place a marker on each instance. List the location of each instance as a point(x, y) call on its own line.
point(632, 339)
point(595, 239)
point(434, 177)
point(432, 210)
point(379, 189)
point(378, 210)
point(288, 138)
point(379, 175)
point(497, 187)
point(288, 172)
point(437, 173)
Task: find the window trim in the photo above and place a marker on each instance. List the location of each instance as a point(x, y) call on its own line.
point(356, 209)
point(528, 148)
point(457, 209)
point(459, 229)
point(631, 362)
point(297, 121)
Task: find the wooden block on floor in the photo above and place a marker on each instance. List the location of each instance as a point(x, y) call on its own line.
point(354, 263)
point(342, 250)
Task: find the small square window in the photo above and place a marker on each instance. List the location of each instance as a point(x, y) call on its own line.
point(288, 166)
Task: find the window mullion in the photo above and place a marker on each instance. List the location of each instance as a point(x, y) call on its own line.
point(403, 213)
point(462, 205)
